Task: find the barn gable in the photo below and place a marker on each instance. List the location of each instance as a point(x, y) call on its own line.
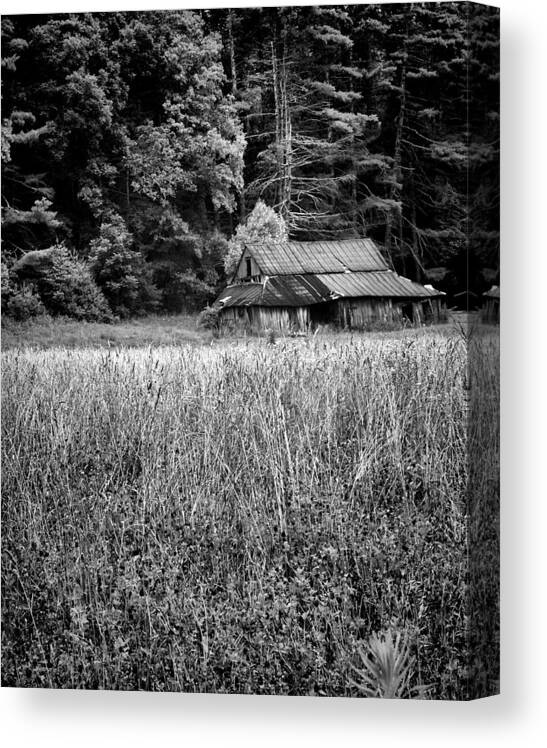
point(247, 268)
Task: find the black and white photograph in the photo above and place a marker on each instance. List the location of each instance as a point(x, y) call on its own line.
point(250, 350)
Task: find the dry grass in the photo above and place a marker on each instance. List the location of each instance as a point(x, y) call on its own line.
point(43, 333)
point(47, 332)
point(241, 518)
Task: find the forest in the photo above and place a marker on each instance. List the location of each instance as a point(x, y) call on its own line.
point(140, 149)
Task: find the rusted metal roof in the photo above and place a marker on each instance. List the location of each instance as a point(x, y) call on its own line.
point(288, 258)
point(297, 290)
point(383, 284)
point(493, 293)
point(304, 290)
point(244, 294)
point(288, 290)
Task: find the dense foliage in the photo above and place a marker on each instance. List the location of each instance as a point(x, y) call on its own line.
point(247, 518)
point(151, 136)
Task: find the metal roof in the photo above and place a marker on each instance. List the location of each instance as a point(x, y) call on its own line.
point(493, 293)
point(386, 283)
point(244, 294)
point(297, 290)
point(304, 290)
point(289, 290)
point(288, 258)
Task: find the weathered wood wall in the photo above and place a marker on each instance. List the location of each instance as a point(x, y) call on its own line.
point(352, 314)
point(435, 310)
point(242, 269)
point(284, 318)
point(280, 319)
point(417, 313)
point(361, 313)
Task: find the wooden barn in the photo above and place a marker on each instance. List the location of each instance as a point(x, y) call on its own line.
point(295, 286)
point(490, 312)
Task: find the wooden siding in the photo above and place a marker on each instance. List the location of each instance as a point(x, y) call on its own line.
point(349, 314)
point(364, 313)
point(241, 273)
point(360, 313)
point(260, 318)
point(435, 310)
point(284, 319)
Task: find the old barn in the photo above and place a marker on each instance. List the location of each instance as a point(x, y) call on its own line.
point(299, 285)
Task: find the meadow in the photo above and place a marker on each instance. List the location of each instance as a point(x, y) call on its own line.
point(45, 332)
point(248, 517)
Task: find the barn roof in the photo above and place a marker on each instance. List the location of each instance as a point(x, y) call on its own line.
point(290, 290)
point(493, 293)
point(288, 258)
point(307, 289)
point(377, 284)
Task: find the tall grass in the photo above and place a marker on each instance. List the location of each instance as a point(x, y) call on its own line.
point(236, 519)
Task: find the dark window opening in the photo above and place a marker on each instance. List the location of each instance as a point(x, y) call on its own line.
point(408, 312)
point(249, 267)
point(322, 314)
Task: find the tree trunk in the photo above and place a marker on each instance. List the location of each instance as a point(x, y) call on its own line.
point(283, 125)
point(354, 206)
point(418, 259)
point(287, 137)
point(231, 50)
point(395, 189)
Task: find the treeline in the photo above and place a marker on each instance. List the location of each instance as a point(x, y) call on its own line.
point(138, 148)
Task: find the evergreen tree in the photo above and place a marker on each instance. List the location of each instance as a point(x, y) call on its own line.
point(319, 134)
point(27, 218)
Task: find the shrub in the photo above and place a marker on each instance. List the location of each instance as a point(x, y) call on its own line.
point(19, 301)
point(121, 272)
point(186, 292)
point(209, 319)
point(24, 304)
point(271, 336)
point(68, 288)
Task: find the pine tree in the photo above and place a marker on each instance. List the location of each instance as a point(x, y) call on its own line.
point(310, 169)
point(27, 219)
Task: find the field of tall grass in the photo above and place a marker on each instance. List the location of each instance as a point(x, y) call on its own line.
point(252, 518)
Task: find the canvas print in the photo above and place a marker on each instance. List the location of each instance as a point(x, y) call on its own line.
point(250, 340)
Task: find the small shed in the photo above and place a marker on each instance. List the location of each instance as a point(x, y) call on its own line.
point(490, 312)
point(299, 285)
